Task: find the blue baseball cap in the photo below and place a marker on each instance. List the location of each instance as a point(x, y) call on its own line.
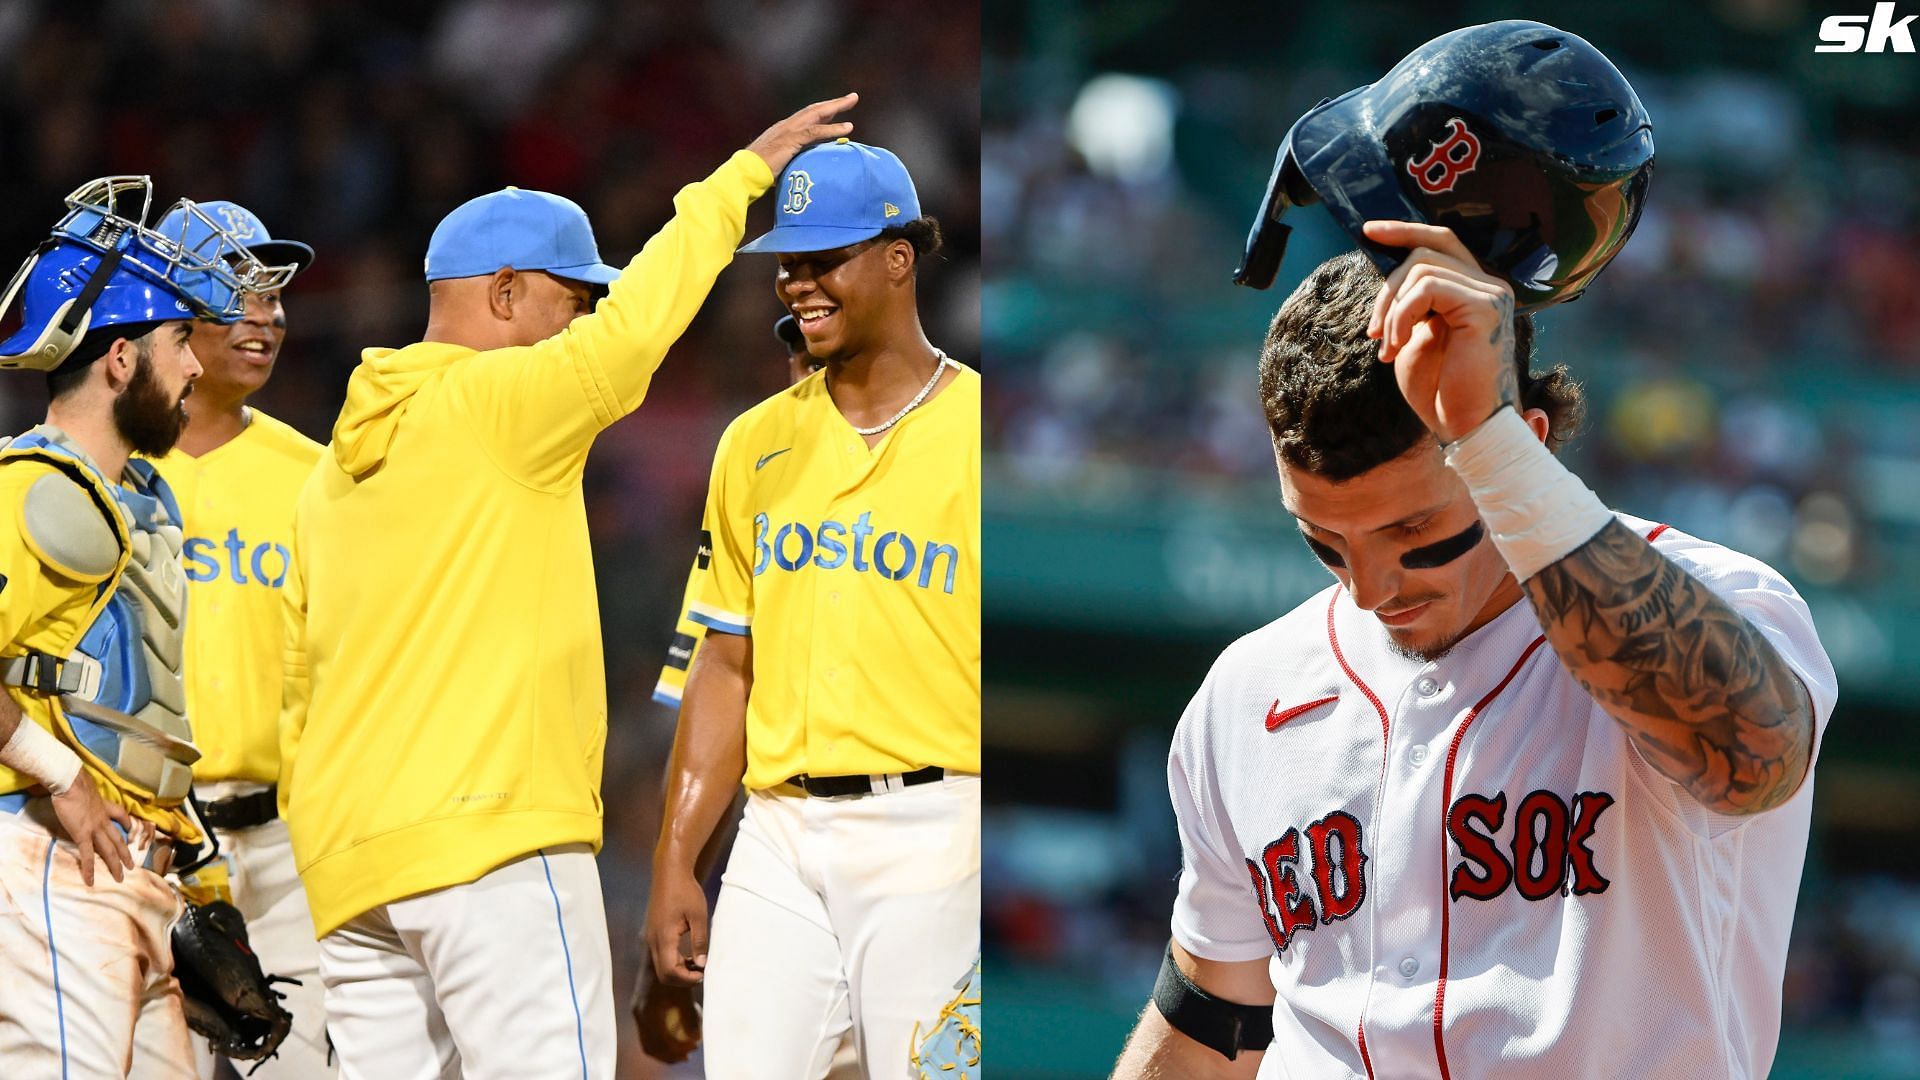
point(246, 228)
point(836, 194)
point(526, 230)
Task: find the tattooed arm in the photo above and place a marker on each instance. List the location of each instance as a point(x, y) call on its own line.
point(1706, 698)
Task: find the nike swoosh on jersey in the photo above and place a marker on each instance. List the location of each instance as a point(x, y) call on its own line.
point(1277, 716)
point(764, 458)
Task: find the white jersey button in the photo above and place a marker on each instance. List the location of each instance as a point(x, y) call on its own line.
point(1427, 686)
point(1418, 755)
point(1409, 967)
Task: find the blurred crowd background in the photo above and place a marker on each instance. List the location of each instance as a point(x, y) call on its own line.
point(355, 126)
point(1753, 366)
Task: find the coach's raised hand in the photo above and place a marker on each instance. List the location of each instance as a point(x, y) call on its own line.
point(778, 144)
point(1446, 326)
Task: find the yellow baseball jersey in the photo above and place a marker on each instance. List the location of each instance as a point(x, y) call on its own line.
point(441, 614)
point(47, 605)
point(238, 503)
point(687, 635)
point(857, 572)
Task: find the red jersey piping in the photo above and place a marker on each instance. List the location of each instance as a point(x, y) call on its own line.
point(1446, 904)
point(1333, 639)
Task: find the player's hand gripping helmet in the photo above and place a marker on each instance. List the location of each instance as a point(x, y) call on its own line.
point(101, 267)
point(1522, 139)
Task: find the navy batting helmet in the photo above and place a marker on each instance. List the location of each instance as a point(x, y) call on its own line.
point(1523, 139)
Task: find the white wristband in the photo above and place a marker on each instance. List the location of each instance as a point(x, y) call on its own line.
point(34, 750)
point(1536, 510)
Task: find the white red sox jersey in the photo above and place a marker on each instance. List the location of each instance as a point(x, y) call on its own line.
point(1464, 868)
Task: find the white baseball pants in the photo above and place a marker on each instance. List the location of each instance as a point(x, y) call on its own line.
point(266, 889)
point(86, 973)
point(509, 976)
point(836, 913)
point(845, 1064)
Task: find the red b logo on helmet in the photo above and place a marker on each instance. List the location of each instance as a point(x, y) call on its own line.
point(1451, 158)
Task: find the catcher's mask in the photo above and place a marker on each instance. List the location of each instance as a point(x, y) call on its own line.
point(101, 267)
point(1524, 140)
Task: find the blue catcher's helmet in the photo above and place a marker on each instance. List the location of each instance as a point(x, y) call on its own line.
point(101, 267)
point(1524, 140)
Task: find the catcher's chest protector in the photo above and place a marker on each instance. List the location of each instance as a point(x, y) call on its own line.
point(121, 697)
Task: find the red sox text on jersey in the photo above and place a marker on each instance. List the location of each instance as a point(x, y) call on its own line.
point(1463, 867)
point(1317, 874)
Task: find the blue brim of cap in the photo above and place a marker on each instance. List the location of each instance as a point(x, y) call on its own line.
point(593, 273)
point(800, 239)
point(282, 252)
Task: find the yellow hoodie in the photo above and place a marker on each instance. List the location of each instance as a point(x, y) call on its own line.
point(446, 701)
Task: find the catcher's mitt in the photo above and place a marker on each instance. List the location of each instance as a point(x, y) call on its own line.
point(951, 1049)
point(229, 999)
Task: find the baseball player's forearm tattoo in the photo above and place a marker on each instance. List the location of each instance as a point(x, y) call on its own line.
point(1503, 336)
point(1708, 700)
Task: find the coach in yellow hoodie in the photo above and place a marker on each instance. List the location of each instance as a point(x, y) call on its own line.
point(446, 699)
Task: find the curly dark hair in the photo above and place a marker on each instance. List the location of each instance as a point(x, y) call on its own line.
point(1335, 410)
point(922, 232)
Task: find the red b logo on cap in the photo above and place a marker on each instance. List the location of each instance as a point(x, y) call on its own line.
point(1451, 158)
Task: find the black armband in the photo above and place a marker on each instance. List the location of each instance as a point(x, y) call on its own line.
point(1222, 1026)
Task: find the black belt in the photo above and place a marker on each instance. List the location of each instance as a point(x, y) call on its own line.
point(243, 811)
point(828, 786)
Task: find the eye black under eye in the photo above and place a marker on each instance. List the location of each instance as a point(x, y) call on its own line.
point(1442, 552)
point(1322, 552)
